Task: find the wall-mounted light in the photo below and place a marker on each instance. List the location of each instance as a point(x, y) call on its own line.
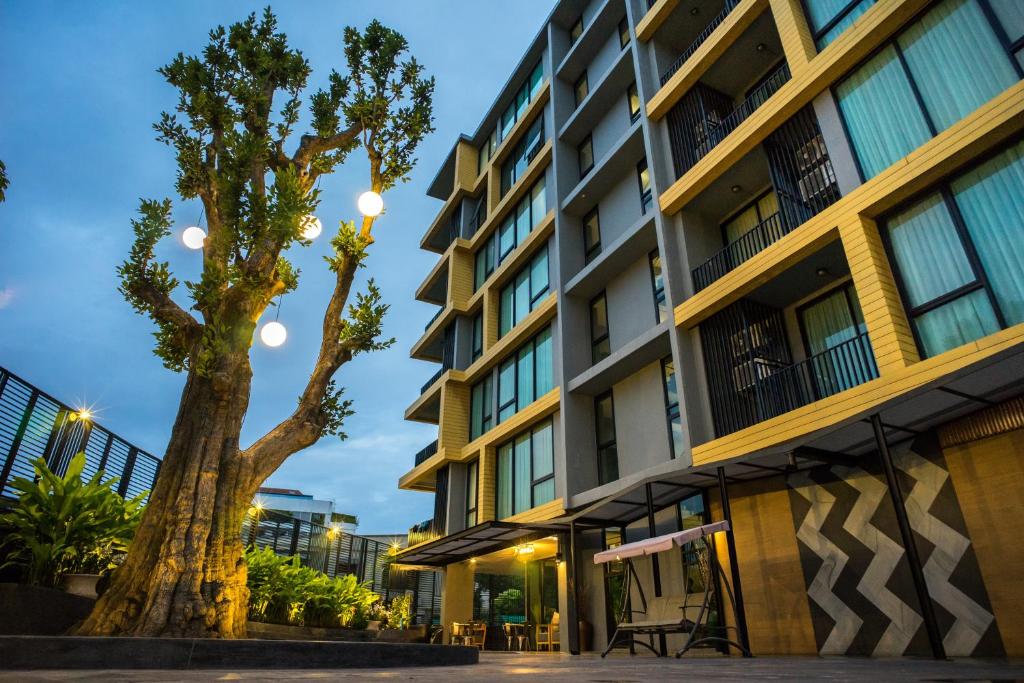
point(736, 189)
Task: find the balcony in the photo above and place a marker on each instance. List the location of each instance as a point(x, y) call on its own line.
point(425, 452)
point(728, 6)
point(423, 532)
point(705, 116)
point(789, 177)
point(797, 339)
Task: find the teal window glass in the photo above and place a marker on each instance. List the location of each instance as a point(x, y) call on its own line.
point(522, 473)
point(526, 476)
point(524, 379)
point(882, 117)
point(829, 18)
point(524, 293)
point(991, 200)
point(956, 60)
point(545, 364)
point(504, 497)
point(525, 376)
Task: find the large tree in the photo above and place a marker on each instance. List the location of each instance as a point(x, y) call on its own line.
point(239, 102)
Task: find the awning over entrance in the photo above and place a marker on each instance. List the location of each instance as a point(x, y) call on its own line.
point(659, 544)
point(478, 540)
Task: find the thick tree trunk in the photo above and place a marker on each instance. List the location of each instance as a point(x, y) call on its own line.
point(185, 573)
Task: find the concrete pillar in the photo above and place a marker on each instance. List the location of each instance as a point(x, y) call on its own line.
point(456, 596)
point(794, 33)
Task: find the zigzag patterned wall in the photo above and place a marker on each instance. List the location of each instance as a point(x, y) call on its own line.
point(859, 585)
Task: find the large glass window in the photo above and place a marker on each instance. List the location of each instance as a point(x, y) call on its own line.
point(672, 415)
point(600, 347)
point(524, 153)
point(658, 286)
point(526, 471)
point(633, 102)
point(644, 179)
point(478, 337)
point(581, 89)
point(508, 118)
point(585, 156)
point(481, 407)
point(604, 428)
point(591, 235)
point(487, 151)
point(933, 74)
point(959, 253)
point(834, 333)
point(623, 33)
point(525, 376)
point(524, 292)
point(521, 221)
point(472, 477)
point(829, 18)
point(576, 30)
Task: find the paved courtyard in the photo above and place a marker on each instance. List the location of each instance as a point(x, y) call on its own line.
point(619, 669)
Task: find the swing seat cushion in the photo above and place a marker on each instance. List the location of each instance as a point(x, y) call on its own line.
point(663, 614)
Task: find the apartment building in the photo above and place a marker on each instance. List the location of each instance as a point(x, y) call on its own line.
point(760, 260)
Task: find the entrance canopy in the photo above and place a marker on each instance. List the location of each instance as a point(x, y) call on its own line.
point(475, 541)
point(659, 544)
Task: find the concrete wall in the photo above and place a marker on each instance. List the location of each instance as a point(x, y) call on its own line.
point(641, 429)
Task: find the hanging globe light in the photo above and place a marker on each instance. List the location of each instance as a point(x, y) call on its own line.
point(273, 334)
point(370, 203)
point(311, 227)
point(193, 237)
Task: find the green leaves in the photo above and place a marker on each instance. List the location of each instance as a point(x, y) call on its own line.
point(334, 411)
point(282, 591)
point(4, 181)
point(62, 525)
point(361, 332)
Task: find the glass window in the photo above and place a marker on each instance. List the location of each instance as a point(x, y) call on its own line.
point(623, 33)
point(525, 217)
point(487, 151)
point(576, 31)
point(952, 59)
point(523, 222)
point(524, 293)
point(658, 285)
point(591, 235)
point(526, 376)
point(536, 79)
point(599, 343)
point(514, 168)
point(644, 178)
point(837, 347)
point(526, 474)
point(481, 408)
point(472, 475)
point(478, 336)
point(607, 452)
point(519, 104)
point(633, 101)
point(672, 414)
point(538, 203)
point(581, 89)
point(829, 18)
point(585, 154)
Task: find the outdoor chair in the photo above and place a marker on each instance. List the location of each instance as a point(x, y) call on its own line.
point(547, 634)
point(475, 635)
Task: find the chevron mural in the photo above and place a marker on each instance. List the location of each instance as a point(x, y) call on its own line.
point(859, 586)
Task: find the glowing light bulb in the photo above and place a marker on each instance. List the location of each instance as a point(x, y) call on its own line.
point(311, 227)
point(85, 414)
point(370, 203)
point(273, 334)
point(193, 237)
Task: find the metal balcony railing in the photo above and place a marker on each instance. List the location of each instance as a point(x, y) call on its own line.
point(739, 250)
point(433, 318)
point(699, 40)
point(433, 378)
point(425, 452)
point(424, 531)
point(755, 99)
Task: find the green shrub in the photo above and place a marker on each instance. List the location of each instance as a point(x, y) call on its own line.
point(282, 591)
point(400, 614)
point(62, 525)
point(509, 602)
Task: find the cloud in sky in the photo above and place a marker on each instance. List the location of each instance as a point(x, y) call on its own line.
point(65, 225)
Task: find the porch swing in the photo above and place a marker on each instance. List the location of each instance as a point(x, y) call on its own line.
point(673, 614)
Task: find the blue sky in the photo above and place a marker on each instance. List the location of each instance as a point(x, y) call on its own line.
point(80, 94)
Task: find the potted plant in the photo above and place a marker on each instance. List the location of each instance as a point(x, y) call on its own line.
point(67, 532)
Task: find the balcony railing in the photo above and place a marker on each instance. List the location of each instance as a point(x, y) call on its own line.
point(424, 531)
point(425, 452)
point(699, 40)
point(433, 318)
point(776, 388)
point(433, 378)
point(755, 99)
point(739, 250)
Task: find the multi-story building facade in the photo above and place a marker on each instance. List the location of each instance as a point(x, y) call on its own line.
point(752, 259)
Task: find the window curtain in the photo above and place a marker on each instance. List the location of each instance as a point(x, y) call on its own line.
point(741, 224)
point(524, 392)
point(932, 263)
point(827, 325)
point(504, 481)
point(543, 464)
point(545, 363)
point(958, 322)
point(522, 296)
point(539, 281)
point(991, 201)
point(928, 251)
point(523, 479)
point(844, 23)
point(881, 113)
point(956, 60)
point(538, 202)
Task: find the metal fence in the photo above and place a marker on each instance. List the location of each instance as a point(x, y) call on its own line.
point(34, 424)
point(336, 553)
